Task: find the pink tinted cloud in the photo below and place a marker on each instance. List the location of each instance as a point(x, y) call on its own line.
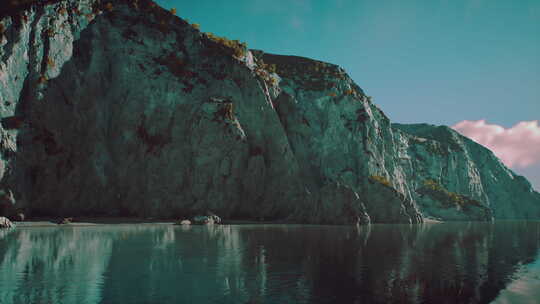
point(518, 146)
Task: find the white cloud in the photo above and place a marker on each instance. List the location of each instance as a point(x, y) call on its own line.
point(518, 146)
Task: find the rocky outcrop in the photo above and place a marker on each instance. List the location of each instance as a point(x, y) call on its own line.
point(465, 168)
point(126, 109)
point(184, 222)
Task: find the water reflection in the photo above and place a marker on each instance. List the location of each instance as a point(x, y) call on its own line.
point(441, 263)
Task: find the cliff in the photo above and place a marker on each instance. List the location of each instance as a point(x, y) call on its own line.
point(123, 108)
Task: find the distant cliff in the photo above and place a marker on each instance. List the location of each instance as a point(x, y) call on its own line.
point(122, 108)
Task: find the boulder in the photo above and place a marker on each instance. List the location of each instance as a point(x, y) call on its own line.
point(7, 202)
point(5, 223)
point(20, 217)
point(66, 220)
point(184, 222)
point(204, 220)
point(215, 218)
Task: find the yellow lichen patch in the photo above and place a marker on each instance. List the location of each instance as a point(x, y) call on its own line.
point(380, 179)
point(349, 92)
point(447, 198)
point(62, 11)
point(332, 94)
point(173, 11)
point(109, 7)
point(196, 26)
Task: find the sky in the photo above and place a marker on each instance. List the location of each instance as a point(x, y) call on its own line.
point(462, 63)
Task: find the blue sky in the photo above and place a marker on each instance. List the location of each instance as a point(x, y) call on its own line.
point(434, 61)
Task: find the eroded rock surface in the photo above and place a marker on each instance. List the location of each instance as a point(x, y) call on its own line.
point(129, 110)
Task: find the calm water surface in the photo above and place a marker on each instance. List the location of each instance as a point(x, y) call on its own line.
point(430, 263)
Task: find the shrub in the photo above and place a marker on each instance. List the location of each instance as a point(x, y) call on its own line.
point(263, 73)
point(238, 48)
point(196, 26)
point(349, 92)
point(270, 68)
point(226, 111)
point(448, 199)
point(381, 180)
point(49, 32)
point(319, 66)
point(109, 7)
point(332, 94)
point(173, 11)
point(432, 184)
point(264, 70)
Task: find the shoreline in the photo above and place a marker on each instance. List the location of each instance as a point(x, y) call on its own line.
point(99, 221)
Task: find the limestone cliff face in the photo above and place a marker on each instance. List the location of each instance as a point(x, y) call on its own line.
point(125, 109)
point(465, 167)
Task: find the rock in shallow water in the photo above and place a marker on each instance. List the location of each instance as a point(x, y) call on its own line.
point(204, 220)
point(65, 221)
point(19, 217)
point(5, 223)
